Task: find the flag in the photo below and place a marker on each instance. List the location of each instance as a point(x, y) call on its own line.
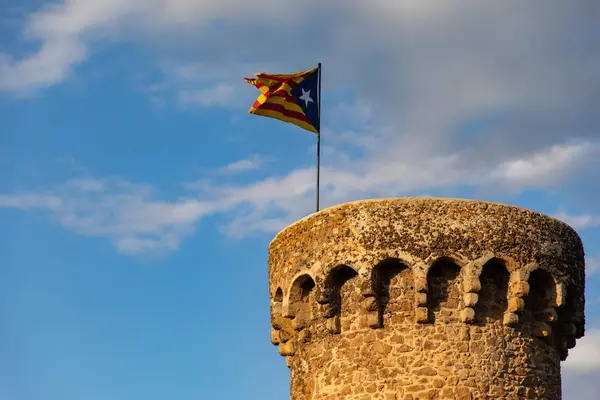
point(292, 98)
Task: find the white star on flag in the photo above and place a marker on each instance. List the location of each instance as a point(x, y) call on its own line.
point(306, 97)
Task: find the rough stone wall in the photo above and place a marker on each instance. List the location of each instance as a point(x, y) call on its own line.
point(425, 299)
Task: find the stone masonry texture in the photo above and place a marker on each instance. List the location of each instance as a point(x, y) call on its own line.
point(425, 298)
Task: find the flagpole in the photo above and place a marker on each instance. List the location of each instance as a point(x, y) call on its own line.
point(319, 138)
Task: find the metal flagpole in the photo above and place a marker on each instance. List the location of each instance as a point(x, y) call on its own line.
point(319, 137)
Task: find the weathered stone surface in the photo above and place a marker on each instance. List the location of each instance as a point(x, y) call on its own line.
point(511, 319)
point(550, 315)
point(569, 329)
point(471, 299)
point(274, 336)
point(373, 319)
point(520, 289)
point(421, 300)
point(472, 284)
point(467, 315)
point(542, 329)
point(422, 314)
point(516, 304)
point(387, 299)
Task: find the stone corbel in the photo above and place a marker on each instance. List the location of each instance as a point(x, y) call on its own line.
point(471, 287)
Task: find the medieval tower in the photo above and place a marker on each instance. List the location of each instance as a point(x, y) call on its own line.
point(426, 298)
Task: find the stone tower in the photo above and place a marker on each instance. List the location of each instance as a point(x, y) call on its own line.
point(424, 298)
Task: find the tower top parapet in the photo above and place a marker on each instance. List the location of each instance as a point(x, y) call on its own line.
point(425, 274)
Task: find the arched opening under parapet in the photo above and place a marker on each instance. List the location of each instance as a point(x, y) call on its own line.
point(302, 288)
point(568, 311)
point(278, 297)
point(394, 286)
point(301, 299)
point(444, 293)
point(542, 295)
point(346, 296)
point(535, 318)
point(565, 330)
point(493, 296)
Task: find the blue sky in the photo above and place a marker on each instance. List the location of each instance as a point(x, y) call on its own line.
point(138, 197)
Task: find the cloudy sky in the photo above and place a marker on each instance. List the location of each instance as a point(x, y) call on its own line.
point(138, 197)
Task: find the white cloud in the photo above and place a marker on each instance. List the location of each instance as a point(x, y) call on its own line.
point(65, 31)
point(128, 214)
point(579, 221)
point(585, 357)
point(247, 164)
point(51, 64)
point(61, 29)
point(378, 175)
point(523, 68)
point(117, 209)
point(419, 71)
point(276, 201)
point(220, 94)
point(28, 202)
point(592, 302)
point(548, 167)
point(409, 110)
point(414, 54)
point(592, 265)
point(581, 368)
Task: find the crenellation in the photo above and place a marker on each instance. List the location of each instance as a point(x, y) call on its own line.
point(426, 298)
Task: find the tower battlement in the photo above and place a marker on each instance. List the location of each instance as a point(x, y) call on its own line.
point(426, 298)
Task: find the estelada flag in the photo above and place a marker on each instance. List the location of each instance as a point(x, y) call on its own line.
point(292, 98)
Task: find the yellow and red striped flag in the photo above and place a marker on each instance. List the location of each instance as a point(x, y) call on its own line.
point(292, 98)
